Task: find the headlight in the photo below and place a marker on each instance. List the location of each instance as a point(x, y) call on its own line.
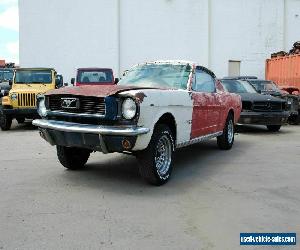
point(13, 96)
point(129, 108)
point(39, 95)
point(41, 107)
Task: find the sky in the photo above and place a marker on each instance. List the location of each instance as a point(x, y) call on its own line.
point(9, 30)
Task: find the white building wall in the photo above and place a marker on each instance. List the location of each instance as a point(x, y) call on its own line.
point(163, 29)
point(292, 23)
point(246, 31)
point(119, 33)
point(68, 34)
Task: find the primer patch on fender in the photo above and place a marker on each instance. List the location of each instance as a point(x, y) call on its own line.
point(140, 96)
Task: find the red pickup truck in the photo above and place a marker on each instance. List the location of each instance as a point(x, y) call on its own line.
point(94, 76)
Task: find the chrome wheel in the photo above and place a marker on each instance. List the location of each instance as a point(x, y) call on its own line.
point(156, 161)
point(163, 155)
point(230, 131)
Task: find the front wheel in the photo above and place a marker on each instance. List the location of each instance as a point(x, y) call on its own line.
point(274, 128)
point(72, 158)
point(5, 121)
point(157, 159)
point(225, 141)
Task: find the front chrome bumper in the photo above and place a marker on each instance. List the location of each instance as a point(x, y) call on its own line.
point(90, 129)
point(106, 139)
point(264, 118)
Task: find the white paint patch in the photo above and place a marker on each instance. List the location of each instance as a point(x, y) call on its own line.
point(155, 104)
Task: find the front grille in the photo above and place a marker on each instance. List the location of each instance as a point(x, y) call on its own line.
point(246, 105)
point(87, 104)
point(268, 106)
point(27, 100)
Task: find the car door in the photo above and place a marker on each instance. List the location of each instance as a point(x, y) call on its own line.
point(206, 110)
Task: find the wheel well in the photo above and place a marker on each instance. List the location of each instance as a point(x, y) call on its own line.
point(231, 112)
point(169, 120)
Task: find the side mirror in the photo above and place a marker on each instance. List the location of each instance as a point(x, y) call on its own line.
point(10, 82)
point(116, 80)
point(72, 81)
point(65, 84)
point(259, 91)
point(59, 81)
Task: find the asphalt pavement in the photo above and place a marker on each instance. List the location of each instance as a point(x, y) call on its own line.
point(212, 197)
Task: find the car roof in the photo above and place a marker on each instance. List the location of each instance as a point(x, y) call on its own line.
point(258, 80)
point(232, 79)
point(6, 69)
point(239, 78)
point(178, 62)
point(94, 68)
point(35, 69)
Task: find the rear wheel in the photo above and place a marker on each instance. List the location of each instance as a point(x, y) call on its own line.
point(157, 159)
point(225, 141)
point(274, 128)
point(5, 120)
point(72, 158)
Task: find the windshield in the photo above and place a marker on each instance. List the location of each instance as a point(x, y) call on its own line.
point(6, 74)
point(33, 76)
point(97, 76)
point(235, 86)
point(265, 86)
point(157, 75)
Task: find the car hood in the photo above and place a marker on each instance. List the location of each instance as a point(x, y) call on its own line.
point(258, 97)
point(96, 91)
point(273, 93)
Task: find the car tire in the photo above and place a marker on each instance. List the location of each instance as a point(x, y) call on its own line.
point(20, 120)
point(5, 121)
point(297, 119)
point(72, 158)
point(293, 120)
point(273, 128)
point(156, 161)
point(226, 140)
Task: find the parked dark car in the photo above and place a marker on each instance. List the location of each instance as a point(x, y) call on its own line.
point(257, 108)
point(270, 88)
point(6, 75)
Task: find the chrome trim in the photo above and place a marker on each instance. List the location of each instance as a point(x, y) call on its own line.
point(90, 129)
point(199, 139)
point(62, 113)
point(68, 104)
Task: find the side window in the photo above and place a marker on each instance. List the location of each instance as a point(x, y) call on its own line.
point(203, 82)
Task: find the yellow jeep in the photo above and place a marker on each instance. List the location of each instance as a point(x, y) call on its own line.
point(27, 85)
